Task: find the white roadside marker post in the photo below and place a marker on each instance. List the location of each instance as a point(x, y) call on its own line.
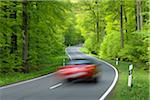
point(117, 62)
point(63, 62)
point(130, 75)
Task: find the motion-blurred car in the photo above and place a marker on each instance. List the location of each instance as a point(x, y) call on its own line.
point(79, 69)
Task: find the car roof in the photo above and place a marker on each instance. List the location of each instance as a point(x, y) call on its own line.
point(80, 61)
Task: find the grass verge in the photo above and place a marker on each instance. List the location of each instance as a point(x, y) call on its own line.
point(85, 50)
point(140, 88)
point(6, 79)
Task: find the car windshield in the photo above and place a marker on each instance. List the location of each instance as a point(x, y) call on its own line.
point(72, 62)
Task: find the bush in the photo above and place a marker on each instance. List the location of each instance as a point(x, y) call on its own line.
point(135, 47)
point(110, 46)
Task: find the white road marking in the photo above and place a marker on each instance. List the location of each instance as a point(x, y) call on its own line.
point(59, 84)
point(113, 83)
point(55, 86)
point(23, 82)
point(68, 54)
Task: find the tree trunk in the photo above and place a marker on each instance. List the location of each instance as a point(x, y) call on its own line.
point(25, 36)
point(97, 30)
point(135, 17)
point(14, 33)
point(97, 23)
point(126, 20)
point(138, 15)
point(13, 43)
point(121, 26)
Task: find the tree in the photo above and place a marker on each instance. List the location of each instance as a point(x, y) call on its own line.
point(42, 37)
point(91, 23)
point(121, 25)
point(138, 15)
point(115, 16)
point(25, 35)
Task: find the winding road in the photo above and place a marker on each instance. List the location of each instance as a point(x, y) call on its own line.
point(51, 88)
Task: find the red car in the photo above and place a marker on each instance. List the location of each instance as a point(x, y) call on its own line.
point(79, 69)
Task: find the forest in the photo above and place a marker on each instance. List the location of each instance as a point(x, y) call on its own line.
point(33, 33)
point(116, 29)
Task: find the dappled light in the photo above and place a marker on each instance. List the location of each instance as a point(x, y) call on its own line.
point(74, 49)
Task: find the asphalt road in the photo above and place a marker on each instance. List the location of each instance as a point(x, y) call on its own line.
point(51, 88)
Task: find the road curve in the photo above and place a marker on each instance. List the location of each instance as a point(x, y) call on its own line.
point(51, 88)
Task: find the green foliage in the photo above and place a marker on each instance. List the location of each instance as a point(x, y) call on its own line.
point(107, 14)
point(110, 46)
point(136, 47)
point(45, 33)
point(84, 50)
point(72, 35)
point(140, 89)
point(9, 78)
point(87, 19)
point(53, 25)
point(90, 42)
point(10, 25)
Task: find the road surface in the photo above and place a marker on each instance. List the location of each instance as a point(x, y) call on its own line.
point(51, 88)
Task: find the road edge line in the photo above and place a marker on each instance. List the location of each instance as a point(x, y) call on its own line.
point(26, 81)
point(68, 53)
point(113, 83)
point(30, 80)
point(55, 86)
